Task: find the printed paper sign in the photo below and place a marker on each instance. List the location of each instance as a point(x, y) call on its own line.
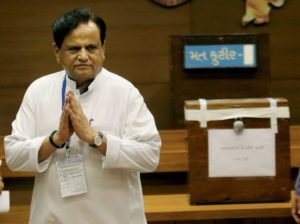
point(4, 202)
point(250, 153)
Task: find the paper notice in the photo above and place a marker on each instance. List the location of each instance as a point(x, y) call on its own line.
point(4, 201)
point(250, 153)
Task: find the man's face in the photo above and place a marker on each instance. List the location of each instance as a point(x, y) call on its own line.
point(81, 53)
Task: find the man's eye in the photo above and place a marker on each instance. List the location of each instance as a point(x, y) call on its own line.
point(73, 50)
point(91, 48)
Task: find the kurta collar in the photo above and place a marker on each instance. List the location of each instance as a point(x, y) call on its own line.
point(71, 84)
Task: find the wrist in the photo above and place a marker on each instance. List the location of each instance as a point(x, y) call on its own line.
point(56, 141)
point(102, 148)
point(98, 140)
point(92, 134)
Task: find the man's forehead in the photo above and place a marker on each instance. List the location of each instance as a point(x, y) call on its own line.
point(83, 34)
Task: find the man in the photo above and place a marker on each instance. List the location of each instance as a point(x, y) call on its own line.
point(1, 184)
point(85, 131)
point(296, 201)
point(1, 181)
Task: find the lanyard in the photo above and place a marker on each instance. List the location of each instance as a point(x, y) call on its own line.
point(63, 92)
point(63, 97)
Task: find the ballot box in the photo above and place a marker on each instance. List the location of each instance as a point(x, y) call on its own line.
point(238, 150)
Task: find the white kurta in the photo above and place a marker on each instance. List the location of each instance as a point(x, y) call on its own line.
point(114, 188)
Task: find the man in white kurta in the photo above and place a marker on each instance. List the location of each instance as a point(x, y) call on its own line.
point(114, 107)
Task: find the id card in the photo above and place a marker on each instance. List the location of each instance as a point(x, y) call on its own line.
point(71, 176)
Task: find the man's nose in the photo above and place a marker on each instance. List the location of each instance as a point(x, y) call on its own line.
point(83, 54)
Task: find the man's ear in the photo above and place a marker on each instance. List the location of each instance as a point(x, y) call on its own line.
point(103, 47)
point(104, 44)
point(56, 52)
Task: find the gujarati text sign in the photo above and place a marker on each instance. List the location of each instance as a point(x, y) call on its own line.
point(220, 56)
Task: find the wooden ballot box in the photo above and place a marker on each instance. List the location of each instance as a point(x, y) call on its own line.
point(238, 150)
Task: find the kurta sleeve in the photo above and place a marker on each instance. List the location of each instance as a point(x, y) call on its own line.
point(297, 184)
point(139, 147)
point(22, 147)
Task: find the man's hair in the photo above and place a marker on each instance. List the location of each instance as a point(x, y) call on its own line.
point(64, 25)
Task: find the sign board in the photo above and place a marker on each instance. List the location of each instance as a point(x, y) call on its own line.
point(220, 56)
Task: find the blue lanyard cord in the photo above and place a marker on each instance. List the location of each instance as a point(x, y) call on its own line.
point(63, 92)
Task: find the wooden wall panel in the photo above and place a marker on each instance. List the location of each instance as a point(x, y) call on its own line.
point(143, 73)
point(10, 99)
point(158, 101)
point(290, 90)
point(216, 17)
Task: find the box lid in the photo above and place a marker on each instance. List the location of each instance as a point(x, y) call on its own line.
point(235, 103)
point(204, 111)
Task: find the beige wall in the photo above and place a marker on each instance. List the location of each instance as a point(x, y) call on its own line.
point(138, 45)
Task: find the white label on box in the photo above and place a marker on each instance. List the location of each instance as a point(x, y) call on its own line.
point(250, 153)
point(4, 201)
